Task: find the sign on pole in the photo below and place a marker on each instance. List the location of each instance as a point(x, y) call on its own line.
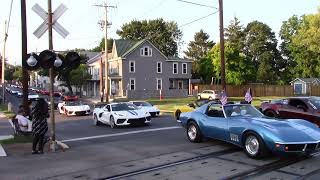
point(55, 16)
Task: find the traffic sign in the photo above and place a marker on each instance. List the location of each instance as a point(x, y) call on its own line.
point(55, 16)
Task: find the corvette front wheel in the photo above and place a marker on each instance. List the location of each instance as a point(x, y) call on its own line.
point(193, 132)
point(254, 146)
point(112, 123)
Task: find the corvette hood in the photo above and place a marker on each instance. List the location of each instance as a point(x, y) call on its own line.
point(131, 114)
point(149, 109)
point(289, 130)
point(78, 108)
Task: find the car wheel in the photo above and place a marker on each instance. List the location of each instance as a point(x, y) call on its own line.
point(193, 132)
point(270, 113)
point(96, 122)
point(254, 146)
point(112, 123)
point(210, 98)
point(199, 97)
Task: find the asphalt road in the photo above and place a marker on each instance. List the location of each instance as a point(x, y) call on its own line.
point(158, 151)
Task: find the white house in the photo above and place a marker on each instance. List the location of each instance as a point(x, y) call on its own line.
point(301, 86)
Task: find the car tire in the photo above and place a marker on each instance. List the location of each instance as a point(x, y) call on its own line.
point(254, 146)
point(210, 98)
point(199, 97)
point(270, 113)
point(96, 122)
point(112, 123)
point(193, 132)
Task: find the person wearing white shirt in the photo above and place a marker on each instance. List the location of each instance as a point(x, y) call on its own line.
point(23, 122)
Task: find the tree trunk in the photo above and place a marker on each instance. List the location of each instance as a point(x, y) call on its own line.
point(69, 85)
point(80, 91)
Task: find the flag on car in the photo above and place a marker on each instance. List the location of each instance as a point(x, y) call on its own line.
point(223, 98)
point(248, 96)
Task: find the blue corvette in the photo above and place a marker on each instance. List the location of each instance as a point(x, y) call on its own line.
point(244, 126)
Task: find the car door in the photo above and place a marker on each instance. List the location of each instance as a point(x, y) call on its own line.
point(215, 123)
point(295, 108)
point(105, 116)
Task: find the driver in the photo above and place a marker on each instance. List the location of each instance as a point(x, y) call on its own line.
point(236, 111)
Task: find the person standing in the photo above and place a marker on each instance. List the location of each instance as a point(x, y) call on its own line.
point(39, 114)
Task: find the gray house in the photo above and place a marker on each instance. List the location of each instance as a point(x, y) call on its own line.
point(302, 85)
point(137, 69)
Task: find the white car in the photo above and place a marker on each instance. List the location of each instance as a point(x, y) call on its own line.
point(147, 107)
point(73, 108)
point(120, 114)
point(209, 94)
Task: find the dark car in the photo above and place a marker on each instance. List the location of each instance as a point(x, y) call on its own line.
point(307, 108)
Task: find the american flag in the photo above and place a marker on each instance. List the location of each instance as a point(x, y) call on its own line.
point(223, 98)
point(248, 96)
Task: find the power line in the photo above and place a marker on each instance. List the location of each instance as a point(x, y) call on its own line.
point(203, 5)
point(197, 19)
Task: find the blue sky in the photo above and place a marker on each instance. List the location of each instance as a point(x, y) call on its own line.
point(81, 19)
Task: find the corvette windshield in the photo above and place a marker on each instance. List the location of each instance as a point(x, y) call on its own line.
point(241, 110)
point(73, 103)
point(146, 104)
point(315, 101)
point(123, 107)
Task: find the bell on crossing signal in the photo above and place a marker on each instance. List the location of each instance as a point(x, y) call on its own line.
point(72, 60)
point(32, 62)
point(47, 59)
point(59, 63)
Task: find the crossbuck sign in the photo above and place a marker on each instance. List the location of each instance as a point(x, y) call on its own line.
point(55, 16)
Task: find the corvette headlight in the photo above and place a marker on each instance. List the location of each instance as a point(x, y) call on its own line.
point(118, 114)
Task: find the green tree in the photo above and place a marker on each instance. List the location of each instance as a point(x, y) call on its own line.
point(197, 49)
point(17, 75)
point(165, 35)
point(260, 46)
point(101, 47)
point(78, 77)
point(288, 29)
point(235, 34)
point(239, 69)
point(8, 73)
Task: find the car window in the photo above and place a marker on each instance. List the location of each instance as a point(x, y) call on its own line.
point(241, 110)
point(297, 103)
point(215, 110)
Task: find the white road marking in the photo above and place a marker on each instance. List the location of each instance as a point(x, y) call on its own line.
point(2, 152)
point(121, 134)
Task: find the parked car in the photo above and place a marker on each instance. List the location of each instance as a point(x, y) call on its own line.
point(147, 107)
point(120, 114)
point(209, 94)
point(44, 92)
point(307, 108)
point(245, 126)
point(73, 108)
point(69, 97)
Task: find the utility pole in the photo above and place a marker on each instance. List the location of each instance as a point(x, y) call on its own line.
point(24, 52)
point(51, 74)
point(101, 78)
point(106, 65)
point(223, 79)
point(3, 61)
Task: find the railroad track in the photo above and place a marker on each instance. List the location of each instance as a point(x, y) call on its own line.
point(249, 174)
point(176, 163)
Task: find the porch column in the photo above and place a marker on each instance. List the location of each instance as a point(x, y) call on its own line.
point(94, 89)
point(190, 88)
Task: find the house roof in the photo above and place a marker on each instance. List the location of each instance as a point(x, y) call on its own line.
point(98, 57)
point(124, 46)
point(306, 80)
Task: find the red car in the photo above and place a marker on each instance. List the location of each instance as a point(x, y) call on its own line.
point(307, 108)
point(69, 97)
point(44, 92)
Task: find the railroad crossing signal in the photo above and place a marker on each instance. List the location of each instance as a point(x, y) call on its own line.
point(55, 16)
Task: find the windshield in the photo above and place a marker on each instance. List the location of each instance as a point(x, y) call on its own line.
point(315, 102)
point(241, 110)
point(142, 104)
point(73, 103)
point(123, 107)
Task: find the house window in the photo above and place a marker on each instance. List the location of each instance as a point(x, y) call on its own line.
point(175, 68)
point(132, 83)
point(171, 84)
point(146, 51)
point(159, 67)
point(184, 68)
point(180, 85)
point(132, 66)
point(159, 83)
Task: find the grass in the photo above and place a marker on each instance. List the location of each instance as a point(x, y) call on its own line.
point(172, 104)
point(17, 139)
point(4, 110)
